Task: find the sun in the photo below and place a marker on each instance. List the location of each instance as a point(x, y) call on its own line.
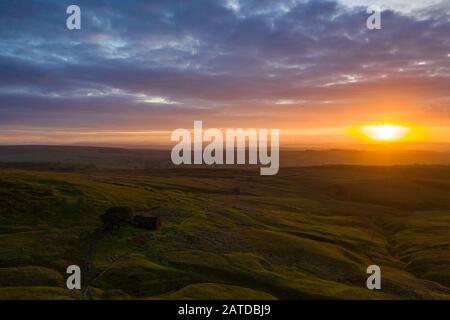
point(385, 132)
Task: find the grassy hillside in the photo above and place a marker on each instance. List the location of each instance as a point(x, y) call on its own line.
point(305, 233)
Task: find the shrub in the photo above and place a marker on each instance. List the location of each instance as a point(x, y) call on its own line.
point(116, 216)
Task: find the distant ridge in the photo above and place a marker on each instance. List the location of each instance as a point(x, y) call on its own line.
point(112, 157)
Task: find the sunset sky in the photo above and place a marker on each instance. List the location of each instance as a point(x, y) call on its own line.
point(139, 69)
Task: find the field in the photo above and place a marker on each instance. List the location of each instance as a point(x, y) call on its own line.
point(307, 233)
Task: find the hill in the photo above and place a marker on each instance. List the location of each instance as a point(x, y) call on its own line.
point(122, 158)
point(305, 233)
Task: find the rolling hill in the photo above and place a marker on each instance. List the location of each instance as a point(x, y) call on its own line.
point(307, 233)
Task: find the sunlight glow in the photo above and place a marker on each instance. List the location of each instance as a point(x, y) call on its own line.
point(385, 132)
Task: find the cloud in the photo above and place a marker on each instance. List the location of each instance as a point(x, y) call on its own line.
point(135, 63)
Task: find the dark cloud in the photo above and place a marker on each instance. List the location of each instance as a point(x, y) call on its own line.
point(150, 59)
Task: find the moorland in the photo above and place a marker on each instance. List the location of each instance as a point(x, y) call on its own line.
point(307, 233)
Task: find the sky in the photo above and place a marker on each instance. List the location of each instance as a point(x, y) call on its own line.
point(139, 69)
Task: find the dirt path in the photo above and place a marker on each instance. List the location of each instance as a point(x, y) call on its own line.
point(87, 268)
point(89, 276)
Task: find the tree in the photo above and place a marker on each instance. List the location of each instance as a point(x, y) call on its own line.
point(116, 216)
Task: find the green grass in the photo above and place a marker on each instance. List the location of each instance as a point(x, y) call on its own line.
point(211, 291)
point(37, 293)
point(30, 276)
point(305, 233)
